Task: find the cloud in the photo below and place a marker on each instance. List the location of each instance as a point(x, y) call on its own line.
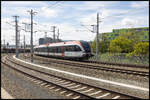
point(15, 11)
point(135, 22)
point(23, 3)
point(68, 17)
point(20, 8)
point(140, 4)
point(94, 5)
point(88, 19)
point(48, 12)
point(127, 21)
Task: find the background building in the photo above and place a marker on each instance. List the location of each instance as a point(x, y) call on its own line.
point(143, 32)
point(47, 40)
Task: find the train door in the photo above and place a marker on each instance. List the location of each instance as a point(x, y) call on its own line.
point(62, 51)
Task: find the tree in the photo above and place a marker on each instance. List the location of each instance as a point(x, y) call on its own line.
point(120, 45)
point(93, 46)
point(140, 49)
point(103, 44)
point(132, 35)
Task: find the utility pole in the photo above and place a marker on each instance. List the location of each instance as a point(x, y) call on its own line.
point(18, 38)
point(16, 21)
point(24, 44)
point(97, 42)
point(45, 34)
point(58, 35)
point(54, 33)
point(31, 51)
point(4, 42)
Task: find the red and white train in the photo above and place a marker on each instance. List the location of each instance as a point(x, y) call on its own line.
point(68, 50)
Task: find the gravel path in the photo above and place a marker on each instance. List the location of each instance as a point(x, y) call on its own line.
point(19, 87)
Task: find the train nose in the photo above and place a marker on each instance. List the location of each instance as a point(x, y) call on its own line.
point(89, 55)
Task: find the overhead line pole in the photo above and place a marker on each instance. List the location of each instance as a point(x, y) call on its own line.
point(16, 21)
point(97, 42)
point(4, 41)
point(54, 33)
point(24, 44)
point(58, 35)
point(31, 51)
point(18, 38)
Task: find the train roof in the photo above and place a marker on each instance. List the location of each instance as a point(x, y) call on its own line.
point(60, 43)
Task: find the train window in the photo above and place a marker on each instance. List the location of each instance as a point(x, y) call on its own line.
point(45, 49)
point(42, 49)
point(59, 49)
point(65, 48)
point(69, 48)
point(37, 49)
point(49, 49)
point(53, 49)
point(56, 49)
point(86, 46)
point(77, 48)
point(72, 48)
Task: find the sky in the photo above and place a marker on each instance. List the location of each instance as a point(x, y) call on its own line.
point(72, 18)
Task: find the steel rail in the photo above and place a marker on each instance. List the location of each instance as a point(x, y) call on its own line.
point(98, 67)
point(25, 72)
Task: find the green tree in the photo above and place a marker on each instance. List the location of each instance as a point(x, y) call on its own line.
point(140, 49)
point(103, 44)
point(132, 35)
point(93, 45)
point(120, 45)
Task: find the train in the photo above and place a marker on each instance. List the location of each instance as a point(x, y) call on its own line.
point(13, 50)
point(74, 50)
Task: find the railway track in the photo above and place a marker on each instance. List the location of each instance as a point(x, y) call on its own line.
point(92, 66)
point(118, 64)
point(72, 89)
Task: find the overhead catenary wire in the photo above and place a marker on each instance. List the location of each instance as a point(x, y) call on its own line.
point(133, 11)
point(118, 15)
point(59, 2)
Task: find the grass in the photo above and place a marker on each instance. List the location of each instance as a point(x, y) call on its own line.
point(121, 58)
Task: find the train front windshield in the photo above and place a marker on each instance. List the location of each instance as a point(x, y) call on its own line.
point(86, 46)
